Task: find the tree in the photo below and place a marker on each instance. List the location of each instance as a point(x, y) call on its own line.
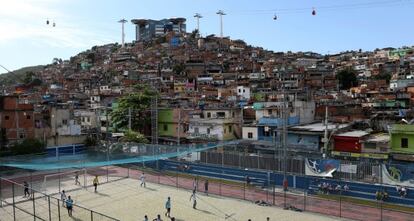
point(347, 78)
point(132, 136)
point(138, 103)
point(28, 146)
point(178, 68)
point(28, 77)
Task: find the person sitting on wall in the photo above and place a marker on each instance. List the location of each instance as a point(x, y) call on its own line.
point(248, 181)
point(338, 188)
point(384, 195)
point(378, 195)
point(346, 187)
point(403, 192)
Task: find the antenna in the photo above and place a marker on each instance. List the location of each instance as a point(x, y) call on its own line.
point(198, 16)
point(221, 13)
point(123, 21)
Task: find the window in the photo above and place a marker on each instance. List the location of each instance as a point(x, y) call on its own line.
point(28, 117)
point(196, 130)
point(232, 114)
point(64, 121)
point(250, 135)
point(208, 115)
point(404, 143)
point(6, 117)
point(230, 129)
point(239, 90)
point(225, 131)
point(269, 111)
point(221, 114)
point(22, 135)
point(208, 130)
point(165, 127)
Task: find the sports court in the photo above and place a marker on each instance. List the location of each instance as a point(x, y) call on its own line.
point(124, 199)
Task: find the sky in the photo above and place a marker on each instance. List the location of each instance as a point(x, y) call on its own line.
point(339, 25)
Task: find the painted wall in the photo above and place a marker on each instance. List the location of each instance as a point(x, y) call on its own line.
point(398, 132)
point(347, 144)
point(304, 141)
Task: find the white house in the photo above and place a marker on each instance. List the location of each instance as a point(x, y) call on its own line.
point(250, 133)
point(215, 124)
point(243, 92)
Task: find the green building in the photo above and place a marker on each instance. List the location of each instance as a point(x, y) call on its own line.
point(402, 139)
point(168, 122)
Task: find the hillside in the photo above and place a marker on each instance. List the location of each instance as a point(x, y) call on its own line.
point(8, 78)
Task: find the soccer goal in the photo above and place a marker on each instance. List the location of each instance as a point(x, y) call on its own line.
point(68, 180)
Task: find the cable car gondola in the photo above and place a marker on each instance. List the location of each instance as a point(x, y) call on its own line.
point(47, 21)
point(275, 17)
point(313, 11)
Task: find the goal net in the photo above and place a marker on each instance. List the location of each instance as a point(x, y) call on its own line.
point(68, 180)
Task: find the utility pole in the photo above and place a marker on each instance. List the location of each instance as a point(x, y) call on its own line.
point(198, 16)
point(221, 13)
point(123, 21)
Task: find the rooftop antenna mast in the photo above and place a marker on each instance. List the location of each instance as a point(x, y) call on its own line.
point(123, 21)
point(221, 13)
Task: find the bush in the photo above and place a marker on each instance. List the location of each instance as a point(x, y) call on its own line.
point(132, 136)
point(90, 141)
point(28, 146)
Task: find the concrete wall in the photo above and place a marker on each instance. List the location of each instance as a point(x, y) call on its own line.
point(65, 140)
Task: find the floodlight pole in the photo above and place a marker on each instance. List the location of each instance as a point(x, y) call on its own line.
point(198, 16)
point(221, 13)
point(123, 21)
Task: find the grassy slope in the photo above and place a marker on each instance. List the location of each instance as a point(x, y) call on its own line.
point(8, 78)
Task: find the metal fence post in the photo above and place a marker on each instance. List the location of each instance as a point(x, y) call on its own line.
point(304, 199)
point(91, 215)
point(50, 212)
point(14, 209)
point(1, 199)
point(34, 205)
point(340, 203)
point(107, 174)
point(381, 211)
point(58, 205)
point(220, 187)
point(244, 191)
point(128, 171)
point(59, 181)
point(274, 193)
point(176, 178)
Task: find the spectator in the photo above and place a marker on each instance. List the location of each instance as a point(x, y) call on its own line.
point(378, 195)
point(346, 187)
point(248, 180)
point(384, 195)
point(403, 192)
point(338, 188)
point(145, 218)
